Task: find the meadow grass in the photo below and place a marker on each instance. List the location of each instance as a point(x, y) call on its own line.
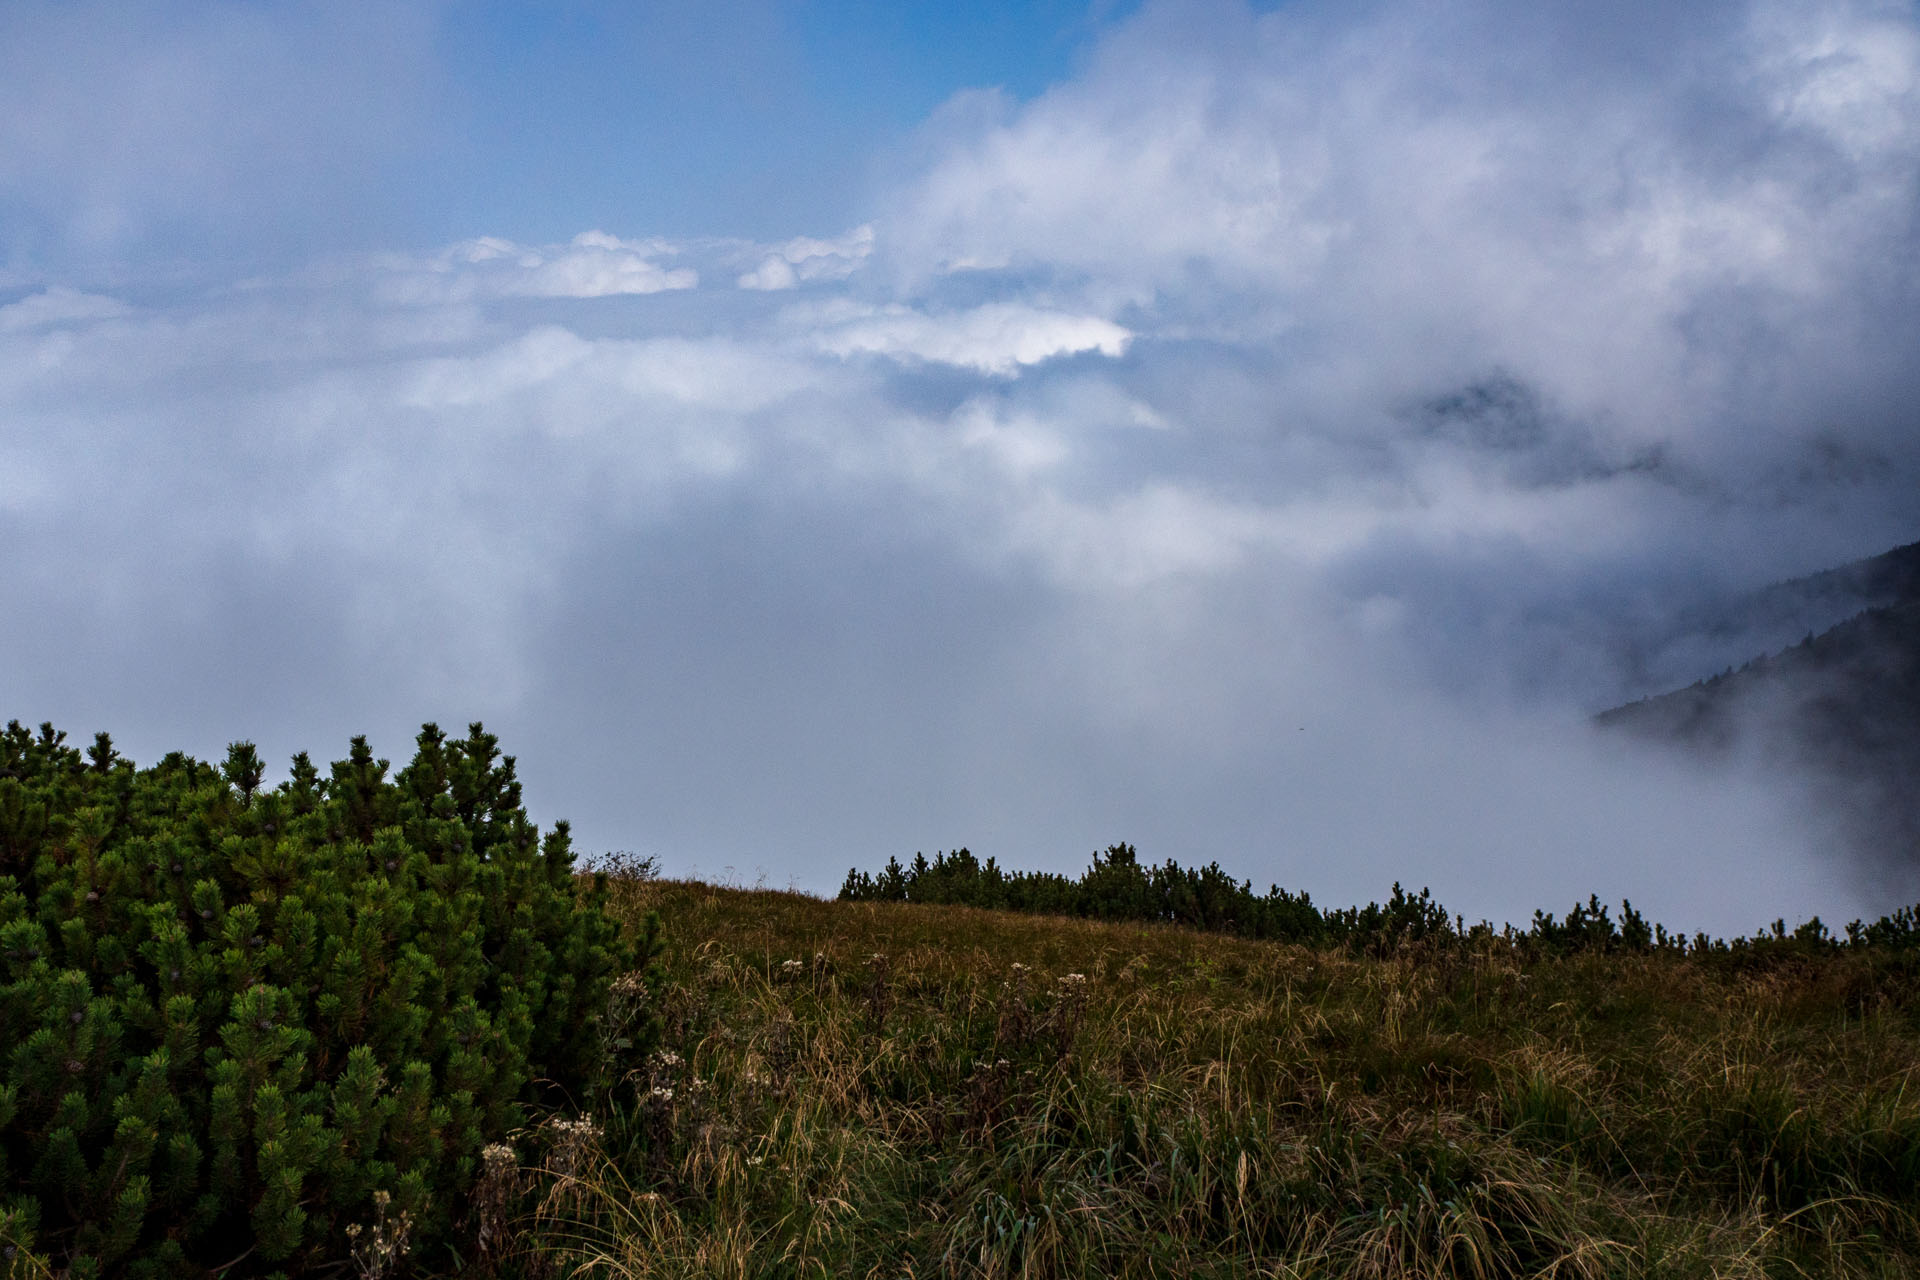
point(892, 1090)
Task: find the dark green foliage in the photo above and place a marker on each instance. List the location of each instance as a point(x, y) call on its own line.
point(1117, 886)
point(230, 1016)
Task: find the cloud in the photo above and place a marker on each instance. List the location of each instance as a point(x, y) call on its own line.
point(60, 305)
point(1679, 250)
point(597, 265)
point(1422, 195)
point(997, 337)
point(804, 260)
point(592, 265)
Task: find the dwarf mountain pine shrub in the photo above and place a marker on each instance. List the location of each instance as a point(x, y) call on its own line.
point(1118, 886)
point(235, 1022)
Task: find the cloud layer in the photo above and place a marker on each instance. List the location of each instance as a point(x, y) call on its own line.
point(1266, 446)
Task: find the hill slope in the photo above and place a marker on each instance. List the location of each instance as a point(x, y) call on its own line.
point(881, 1089)
point(1770, 618)
point(1845, 695)
point(1841, 707)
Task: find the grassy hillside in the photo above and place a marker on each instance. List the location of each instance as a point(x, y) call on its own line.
point(886, 1090)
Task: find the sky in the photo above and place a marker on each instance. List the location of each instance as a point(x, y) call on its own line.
point(809, 433)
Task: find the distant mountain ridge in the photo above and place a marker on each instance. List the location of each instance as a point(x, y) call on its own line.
point(1820, 600)
point(1843, 688)
point(1842, 706)
point(1721, 627)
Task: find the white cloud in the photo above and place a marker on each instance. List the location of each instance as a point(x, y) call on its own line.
point(1135, 539)
point(592, 265)
point(1023, 444)
point(997, 338)
point(773, 274)
point(1395, 191)
point(597, 265)
point(59, 305)
point(632, 376)
point(531, 360)
point(1849, 73)
point(804, 260)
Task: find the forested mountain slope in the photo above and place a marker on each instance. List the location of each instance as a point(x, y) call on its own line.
point(1842, 706)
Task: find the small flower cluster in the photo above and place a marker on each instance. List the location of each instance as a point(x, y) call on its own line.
point(629, 1027)
point(879, 989)
point(1014, 1027)
point(385, 1243)
point(1069, 1011)
point(986, 1096)
point(575, 1144)
point(494, 1195)
point(670, 1102)
point(664, 1071)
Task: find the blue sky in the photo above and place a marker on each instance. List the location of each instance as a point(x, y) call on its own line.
point(732, 118)
point(812, 433)
point(437, 119)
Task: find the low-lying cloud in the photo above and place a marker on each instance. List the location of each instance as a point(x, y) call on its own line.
point(803, 260)
point(996, 338)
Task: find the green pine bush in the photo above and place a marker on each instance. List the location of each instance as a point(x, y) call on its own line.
point(231, 1018)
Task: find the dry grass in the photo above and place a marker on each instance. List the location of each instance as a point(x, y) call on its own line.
point(889, 1090)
